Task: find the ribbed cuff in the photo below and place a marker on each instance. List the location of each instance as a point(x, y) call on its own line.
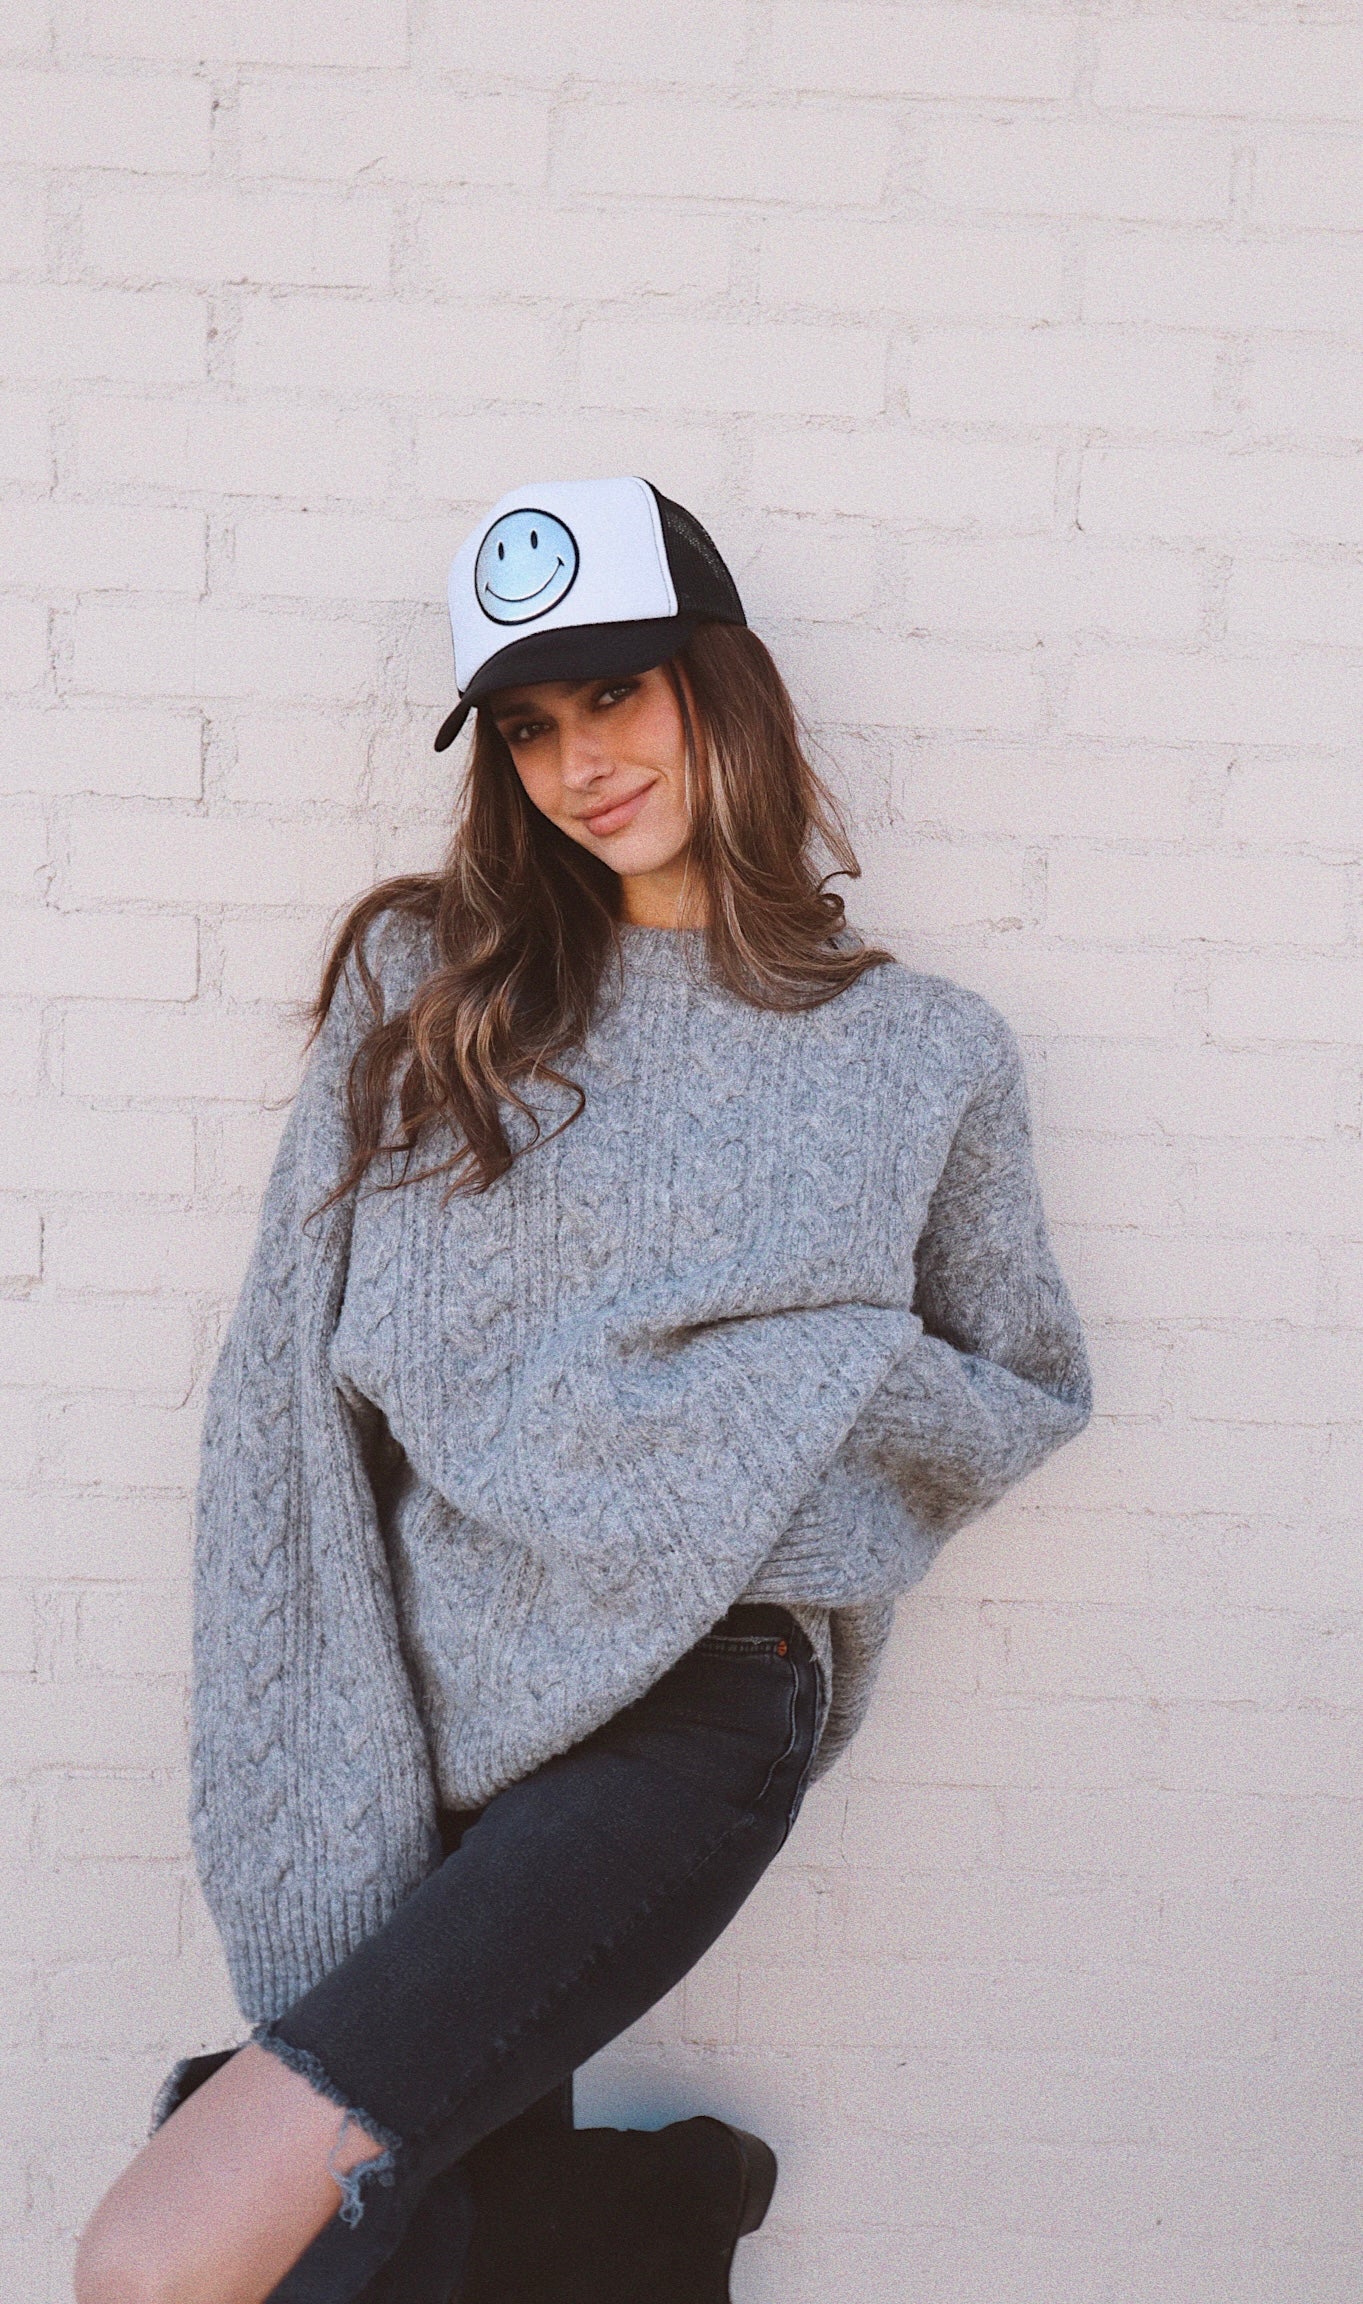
point(278, 1946)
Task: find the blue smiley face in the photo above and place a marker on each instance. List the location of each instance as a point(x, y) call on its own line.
point(526, 564)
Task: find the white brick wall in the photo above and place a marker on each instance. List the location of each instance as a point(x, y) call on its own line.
point(1015, 357)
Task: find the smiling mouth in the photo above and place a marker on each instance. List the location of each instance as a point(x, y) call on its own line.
point(518, 599)
point(600, 821)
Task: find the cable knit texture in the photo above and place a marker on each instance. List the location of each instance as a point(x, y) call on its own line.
point(770, 1320)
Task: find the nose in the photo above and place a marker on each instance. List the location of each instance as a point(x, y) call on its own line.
point(582, 757)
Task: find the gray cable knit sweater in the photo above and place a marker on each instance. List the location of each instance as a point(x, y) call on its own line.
point(774, 1317)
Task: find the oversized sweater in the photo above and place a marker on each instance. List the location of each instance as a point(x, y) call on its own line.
point(773, 1317)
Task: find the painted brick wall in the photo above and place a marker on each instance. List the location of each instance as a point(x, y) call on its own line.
point(1015, 357)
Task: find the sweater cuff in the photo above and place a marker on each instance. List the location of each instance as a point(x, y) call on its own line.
point(279, 1944)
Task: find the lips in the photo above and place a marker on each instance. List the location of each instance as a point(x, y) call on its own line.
point(620, 812)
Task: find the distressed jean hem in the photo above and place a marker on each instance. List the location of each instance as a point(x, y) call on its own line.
point(170, 2094)
point(350, 2182)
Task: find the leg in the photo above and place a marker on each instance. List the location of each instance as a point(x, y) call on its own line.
point(507, 2166)
point(578, 1898)
point(255, 2157)
point(265, 2125)
point(575, 1901)
point(507, 2175)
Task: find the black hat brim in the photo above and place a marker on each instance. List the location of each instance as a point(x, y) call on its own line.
point(579, 652)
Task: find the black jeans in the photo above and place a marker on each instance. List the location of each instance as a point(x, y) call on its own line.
point(565, 1909)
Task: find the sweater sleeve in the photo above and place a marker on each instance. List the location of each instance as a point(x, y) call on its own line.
point(993, 1378)
point(999, 1376)
point(312, 1798)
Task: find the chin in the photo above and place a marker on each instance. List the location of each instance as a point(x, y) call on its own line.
point(633, 857)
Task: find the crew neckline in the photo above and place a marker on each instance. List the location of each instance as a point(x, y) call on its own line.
point(669, 954)
point(649, 928)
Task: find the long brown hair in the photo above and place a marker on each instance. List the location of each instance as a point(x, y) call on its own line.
point(523, 920)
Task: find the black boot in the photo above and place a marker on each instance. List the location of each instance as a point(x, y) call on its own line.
point(614, 2216)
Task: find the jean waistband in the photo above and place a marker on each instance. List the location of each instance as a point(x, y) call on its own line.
point(757, 1618)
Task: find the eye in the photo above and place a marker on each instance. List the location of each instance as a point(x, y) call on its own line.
point(501, 551)
point(534, 540)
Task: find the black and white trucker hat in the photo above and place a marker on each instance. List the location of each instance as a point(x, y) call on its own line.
point(579, 580)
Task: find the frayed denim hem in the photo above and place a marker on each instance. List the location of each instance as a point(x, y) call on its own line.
point(382, 2168)
point(169, 2093)
point(183, 2080)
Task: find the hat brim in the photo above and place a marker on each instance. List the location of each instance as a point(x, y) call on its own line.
point(580, 652)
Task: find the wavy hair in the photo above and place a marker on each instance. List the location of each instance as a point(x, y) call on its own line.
point(524, 921)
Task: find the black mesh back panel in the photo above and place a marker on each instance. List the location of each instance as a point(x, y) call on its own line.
point(700, 579)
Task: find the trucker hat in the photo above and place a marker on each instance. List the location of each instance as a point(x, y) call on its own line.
point(578, 580)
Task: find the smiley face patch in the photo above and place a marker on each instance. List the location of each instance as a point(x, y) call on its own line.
point(526, 564)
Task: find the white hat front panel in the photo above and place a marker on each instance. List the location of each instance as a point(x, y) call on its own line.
point(551, 556)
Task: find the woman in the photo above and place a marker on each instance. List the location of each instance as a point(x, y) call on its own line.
point(651, 1277)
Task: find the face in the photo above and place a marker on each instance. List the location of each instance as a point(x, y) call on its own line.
point(605, 760)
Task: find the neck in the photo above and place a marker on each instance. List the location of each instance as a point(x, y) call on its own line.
point(662, 899)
